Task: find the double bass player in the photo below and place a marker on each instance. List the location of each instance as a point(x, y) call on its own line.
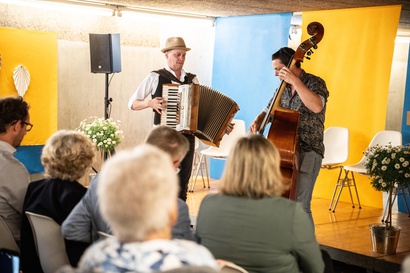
point(306, 94)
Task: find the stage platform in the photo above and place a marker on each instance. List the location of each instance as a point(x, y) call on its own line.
point(344, 234)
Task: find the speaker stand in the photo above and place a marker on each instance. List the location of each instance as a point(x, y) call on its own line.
point(107, 101)
point(107, 107)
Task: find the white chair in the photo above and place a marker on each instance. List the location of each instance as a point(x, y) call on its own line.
point(336, 141)
point(198, 166)
point(49, 242)
point(6, 238)
point(221, 152)
point(384, 137)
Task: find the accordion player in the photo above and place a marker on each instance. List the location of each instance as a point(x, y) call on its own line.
point(199, 110)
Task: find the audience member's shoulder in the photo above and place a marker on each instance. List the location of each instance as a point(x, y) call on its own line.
point(94, 182)
point(10, 161)
point(285, 201)
point(182, 203)
point(77, 185)
point(36, 184)
point(211, 196)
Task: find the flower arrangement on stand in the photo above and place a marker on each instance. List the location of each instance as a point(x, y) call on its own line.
point(105, 133)
point(389, 169)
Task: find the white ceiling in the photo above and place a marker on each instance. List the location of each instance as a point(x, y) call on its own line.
point(223, 8)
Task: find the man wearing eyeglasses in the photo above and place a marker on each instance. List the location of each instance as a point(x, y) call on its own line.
point(14, 177)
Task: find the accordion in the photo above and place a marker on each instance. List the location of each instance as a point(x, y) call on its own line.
point(198, 110)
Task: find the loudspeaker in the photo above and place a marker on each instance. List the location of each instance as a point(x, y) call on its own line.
point(105, 53)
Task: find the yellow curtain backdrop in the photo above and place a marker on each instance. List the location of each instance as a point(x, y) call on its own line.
point(37, 52)
point(355, 59)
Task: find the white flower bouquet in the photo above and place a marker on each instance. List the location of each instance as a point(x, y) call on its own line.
point(105, 133)
point(389, 168)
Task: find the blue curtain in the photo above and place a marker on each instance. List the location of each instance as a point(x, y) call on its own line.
point(242, 67)
point(30, 156)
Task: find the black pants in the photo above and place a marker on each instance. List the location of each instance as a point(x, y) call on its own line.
point(186, 168)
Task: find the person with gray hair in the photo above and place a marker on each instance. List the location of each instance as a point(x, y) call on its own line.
point(138, 197)
point(249, 223)
point(85, 220)
point(66, 156)
point(14, 177)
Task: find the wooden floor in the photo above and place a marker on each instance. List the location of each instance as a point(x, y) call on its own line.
point(345, 234)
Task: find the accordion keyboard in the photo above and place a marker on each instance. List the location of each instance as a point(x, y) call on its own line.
point(170, 115)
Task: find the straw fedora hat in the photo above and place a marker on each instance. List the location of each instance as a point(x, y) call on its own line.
point(174, 43)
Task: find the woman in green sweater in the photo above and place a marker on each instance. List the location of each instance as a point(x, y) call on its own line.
point(249, 223)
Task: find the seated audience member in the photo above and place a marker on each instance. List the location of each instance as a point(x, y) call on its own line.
point(249, 223)
point(138, 197)
point(176, 145)
point(85, 221)
point(14, 177)
point(65, 157)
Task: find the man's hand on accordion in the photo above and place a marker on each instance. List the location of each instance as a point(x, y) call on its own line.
point(229, 128)
point(156, 104)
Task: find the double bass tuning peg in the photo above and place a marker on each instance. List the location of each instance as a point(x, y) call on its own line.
point(308, 53)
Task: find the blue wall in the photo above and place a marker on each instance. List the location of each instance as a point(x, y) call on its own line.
point(242, 67)
point(406, 108)
point(405, 131)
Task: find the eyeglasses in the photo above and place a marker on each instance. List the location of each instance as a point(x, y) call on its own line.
point(28, 126)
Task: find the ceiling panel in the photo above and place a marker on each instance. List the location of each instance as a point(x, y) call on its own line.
point(219, 8)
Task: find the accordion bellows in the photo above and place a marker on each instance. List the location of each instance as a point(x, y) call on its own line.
point(199, 110)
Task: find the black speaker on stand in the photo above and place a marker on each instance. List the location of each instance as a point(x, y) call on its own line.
point(105, 56)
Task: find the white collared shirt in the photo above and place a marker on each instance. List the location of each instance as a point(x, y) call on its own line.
point(149, 85)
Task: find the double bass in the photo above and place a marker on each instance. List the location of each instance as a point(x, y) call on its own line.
point(283, 131)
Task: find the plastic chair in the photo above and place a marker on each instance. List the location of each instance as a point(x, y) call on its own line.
point(198, 166)
point(384, 137)
point(6, 238)
point(221, 152)
point(49, 242)
point(336, 141)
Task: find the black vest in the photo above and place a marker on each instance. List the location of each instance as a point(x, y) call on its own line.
point(167, 77)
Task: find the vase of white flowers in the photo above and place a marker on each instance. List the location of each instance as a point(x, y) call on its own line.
point(388, 168)
point(105, 133)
